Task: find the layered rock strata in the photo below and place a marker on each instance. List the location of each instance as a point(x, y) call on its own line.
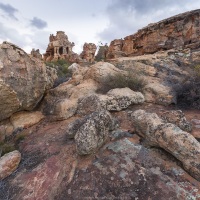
point(180, 31)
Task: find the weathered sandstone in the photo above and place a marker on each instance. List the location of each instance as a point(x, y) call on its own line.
point(180, 31)
point(168, 136)
point(60, 47)
point(23, 80)
point(88, 53)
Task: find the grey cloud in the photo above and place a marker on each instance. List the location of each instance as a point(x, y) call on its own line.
point(38, 23)
point(127, 16)
point(9, 10)
point(11, 34)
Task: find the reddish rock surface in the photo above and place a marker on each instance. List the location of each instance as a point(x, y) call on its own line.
point(88, 53)
point(180, 31)
point(123, 167)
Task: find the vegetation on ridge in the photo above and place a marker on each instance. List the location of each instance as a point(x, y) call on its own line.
point(188, 96)
point(134, 81)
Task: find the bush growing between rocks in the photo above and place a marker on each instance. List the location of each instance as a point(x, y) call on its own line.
point(188, 95)
point(134, 81)
point(63, 72)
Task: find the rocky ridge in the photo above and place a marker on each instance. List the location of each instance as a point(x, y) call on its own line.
point(181, 31)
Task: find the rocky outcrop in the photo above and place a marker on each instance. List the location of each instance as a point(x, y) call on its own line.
point(88, 53)
point(9, 163)
point(115, 49)
point(23, 80)
point(168, 136)
point(180, 31)
point(60, 47)
point(92, 132)
point(36, 53)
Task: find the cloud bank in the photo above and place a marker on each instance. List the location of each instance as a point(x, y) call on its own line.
point(127, 16)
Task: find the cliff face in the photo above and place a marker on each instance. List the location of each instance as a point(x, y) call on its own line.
point(180, 31)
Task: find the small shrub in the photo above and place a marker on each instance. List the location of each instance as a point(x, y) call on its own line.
point(133, 81)
point(63, 72)
point(188, 95)
point(61, 66)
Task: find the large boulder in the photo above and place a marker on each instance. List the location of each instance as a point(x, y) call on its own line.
point(120, 98)
point(101, 70)
point(115, 100)
point(168, 136)
point(9, 163)
point(23, 80)
point(93, 132)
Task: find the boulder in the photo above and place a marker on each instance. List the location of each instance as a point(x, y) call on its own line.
point(101, 70)
point(93, 132)
point(115, 100)
point(23, 80)
point(168, 136)
point(25, 119)
point(9, 163)
point(120, 98)
point(177, 117)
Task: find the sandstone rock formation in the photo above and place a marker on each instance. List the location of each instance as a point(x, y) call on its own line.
point(180, 31)
point(88, 53)
point(23, 80)
point(168, 136)
point(60, 47)
point(115, 49)
point(36, 53)
point(80, 150)
point(9, 163)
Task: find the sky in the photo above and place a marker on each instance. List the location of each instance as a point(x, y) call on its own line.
point(28, 23)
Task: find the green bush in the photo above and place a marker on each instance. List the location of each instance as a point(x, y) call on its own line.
point(134, 81)
point(61, 66)
point(63, 72)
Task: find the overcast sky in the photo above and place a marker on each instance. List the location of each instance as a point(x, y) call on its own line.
point(28, 23)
